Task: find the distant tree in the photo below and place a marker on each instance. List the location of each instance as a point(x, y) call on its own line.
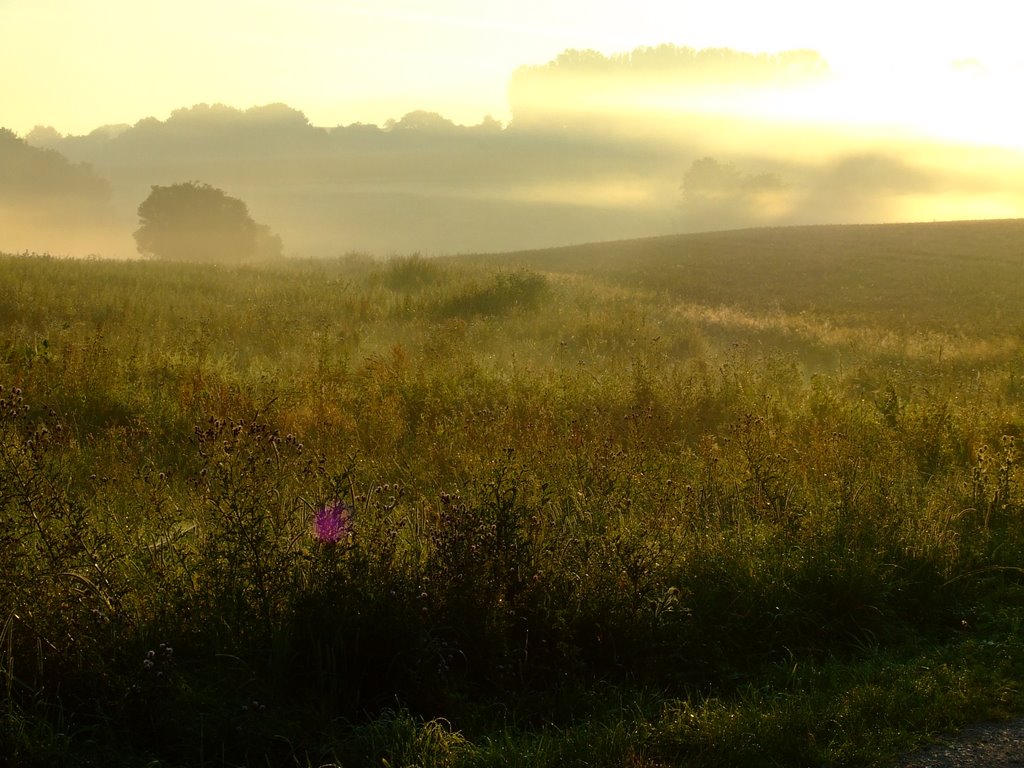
point(30, 172)
point(197, 222)
point(49, 203)
point(720, 195)
point(44, 136)
point(709, 179)
point(421, 120)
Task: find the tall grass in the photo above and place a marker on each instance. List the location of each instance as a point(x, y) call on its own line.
point(589, 526)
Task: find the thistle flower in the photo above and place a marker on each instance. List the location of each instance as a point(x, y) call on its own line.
point(332, 522)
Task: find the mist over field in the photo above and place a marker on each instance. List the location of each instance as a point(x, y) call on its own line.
point(654, 141)
point(671, 414)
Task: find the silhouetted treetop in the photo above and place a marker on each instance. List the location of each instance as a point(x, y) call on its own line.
point(43, 136)
point(705, 65)
point(707, 178)
point(584, 83)
point(31, 172)
point(421, 120)
point(719, 195)
point(208, 115)
point(48, 203)
point(197, 222)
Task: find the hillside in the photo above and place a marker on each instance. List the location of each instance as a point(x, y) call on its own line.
point(934, 274)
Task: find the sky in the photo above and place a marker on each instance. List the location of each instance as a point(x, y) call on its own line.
point(948, 68)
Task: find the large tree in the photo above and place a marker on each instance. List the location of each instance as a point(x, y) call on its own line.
point(196, 222)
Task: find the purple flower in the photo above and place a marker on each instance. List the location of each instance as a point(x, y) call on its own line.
point(332, 522)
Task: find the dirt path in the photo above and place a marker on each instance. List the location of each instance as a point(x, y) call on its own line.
point(991, 745)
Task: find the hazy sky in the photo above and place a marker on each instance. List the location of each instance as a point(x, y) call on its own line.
point(77, 65)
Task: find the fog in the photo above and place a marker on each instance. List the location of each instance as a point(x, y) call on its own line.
point(655, 141)
point(48, 204)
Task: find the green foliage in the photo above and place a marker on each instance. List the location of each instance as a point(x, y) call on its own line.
point(197, 222)
point(251, 526)
point(61, 587)
point(591, 524)
point(412, 273)
point(501, 294)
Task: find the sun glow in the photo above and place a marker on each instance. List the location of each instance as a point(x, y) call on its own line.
point(939, 68)
point(876, 112)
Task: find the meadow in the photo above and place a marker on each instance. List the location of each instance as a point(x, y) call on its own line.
point(738, 498)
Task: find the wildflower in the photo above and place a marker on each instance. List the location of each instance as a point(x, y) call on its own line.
point(332, 522)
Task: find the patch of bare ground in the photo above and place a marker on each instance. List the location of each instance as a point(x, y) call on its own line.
point(989, 745)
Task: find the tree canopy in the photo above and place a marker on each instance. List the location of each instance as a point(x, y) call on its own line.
point(193, 221)
point(718, 195)
point(50, 204)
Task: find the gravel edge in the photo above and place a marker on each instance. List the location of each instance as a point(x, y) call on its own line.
point(988, 745)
